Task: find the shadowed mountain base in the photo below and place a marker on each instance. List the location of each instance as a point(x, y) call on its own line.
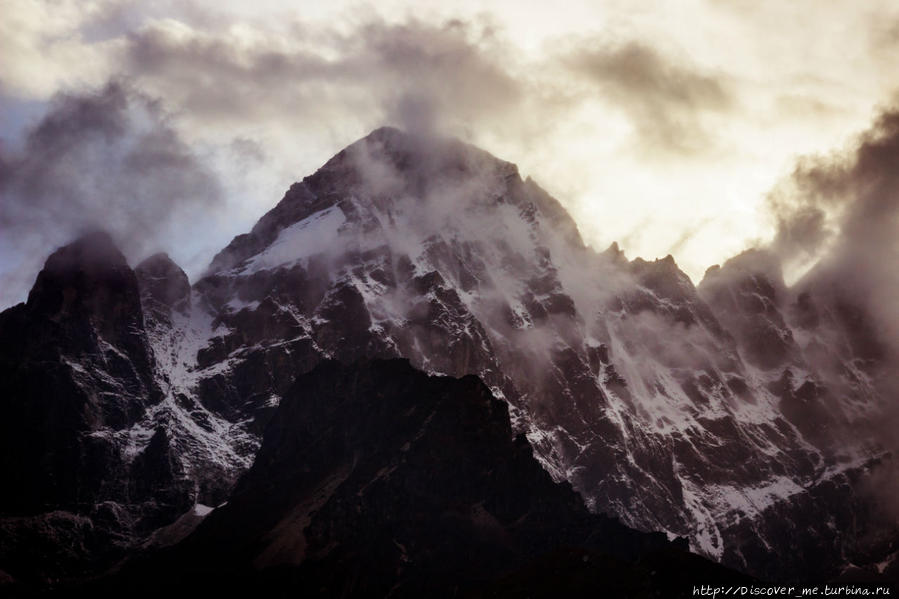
point(379, 480)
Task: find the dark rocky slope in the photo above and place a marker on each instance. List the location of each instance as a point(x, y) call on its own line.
point(377, 480)
point(76, 368)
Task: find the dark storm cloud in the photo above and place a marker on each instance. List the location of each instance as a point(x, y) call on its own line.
point(664, 100)
point(410, 74)
point(849, 199)
point(864, 192)
point(106, 160)
point(804, 205)
point(872, 181)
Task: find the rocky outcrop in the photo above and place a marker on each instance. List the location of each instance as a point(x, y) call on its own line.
point(164, 287)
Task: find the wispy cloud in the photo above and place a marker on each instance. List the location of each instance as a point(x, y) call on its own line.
point(105, 160)
point(665, 99)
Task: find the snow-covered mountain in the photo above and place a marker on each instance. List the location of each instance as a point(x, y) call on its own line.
point(733, 414)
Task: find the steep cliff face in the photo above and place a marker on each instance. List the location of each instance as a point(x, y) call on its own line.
point(164, 288)
point(733, 414)
point(75, 364)
point(815, 350)
point(76, 375)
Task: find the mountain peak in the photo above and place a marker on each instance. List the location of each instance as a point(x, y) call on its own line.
point(753, 262)
point(389, 161)
point(660, 266)
point(78, 271)
point(386, 133)
point(163, 284)
point(401, 181)
point(91, 249)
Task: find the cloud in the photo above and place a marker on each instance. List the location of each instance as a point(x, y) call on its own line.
point(844, 209)
point(687, 235)
point(43, 51)
point(105, 160)
point(664, 99)
point(865, 253)
point(409, 74)
point(255, 93)
point(807, 205)
point(618, 130)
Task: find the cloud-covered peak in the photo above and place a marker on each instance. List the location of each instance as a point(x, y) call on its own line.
point(392, 161)
point(414, 184)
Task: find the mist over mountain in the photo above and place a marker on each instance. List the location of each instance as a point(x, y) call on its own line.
point(413, 368)
point(108, 159)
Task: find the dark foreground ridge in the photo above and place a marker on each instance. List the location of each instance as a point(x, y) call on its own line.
point(376, 479)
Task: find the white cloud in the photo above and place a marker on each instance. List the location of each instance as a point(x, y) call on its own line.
point(303, 82)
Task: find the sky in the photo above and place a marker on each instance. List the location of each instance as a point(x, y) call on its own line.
point(693, 127)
